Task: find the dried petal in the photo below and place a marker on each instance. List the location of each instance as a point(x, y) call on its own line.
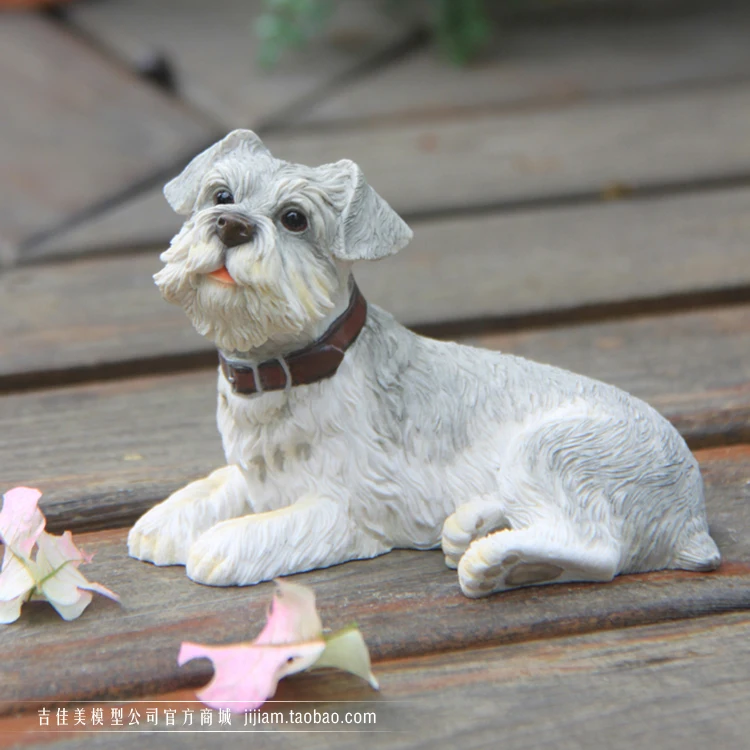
point(58, 575)
point(52, 574)
point(74, 609)
point(15, 579)
point(292, 617)
point(21, 521)
point(346, 650)
point(10, 611)
point(246, 675)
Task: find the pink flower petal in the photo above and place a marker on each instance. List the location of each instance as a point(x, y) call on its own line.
point(293, 617)
point(21, 521)
point(246, 675)
point(103, 590)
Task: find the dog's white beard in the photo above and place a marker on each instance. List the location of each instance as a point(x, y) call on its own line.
point(270, 299)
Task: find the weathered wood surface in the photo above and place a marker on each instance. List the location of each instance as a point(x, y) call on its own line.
point(493, 159)
point(75, 129)
point(102, 453)
point(675, 686)
point(543, 62)
point(600, 149)
point(141, 222)
point(569, 114)
point(534, 263)
point(213, 50)
point(406, 603)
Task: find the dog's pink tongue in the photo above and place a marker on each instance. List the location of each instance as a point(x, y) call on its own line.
point(222, 275)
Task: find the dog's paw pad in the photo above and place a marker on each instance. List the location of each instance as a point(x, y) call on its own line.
point(478, 578)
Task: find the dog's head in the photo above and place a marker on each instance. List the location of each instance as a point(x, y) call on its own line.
point(267, 245)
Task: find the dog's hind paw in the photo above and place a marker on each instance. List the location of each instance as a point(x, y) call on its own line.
point(528, 557)
point(469, 522)
point(477, 579)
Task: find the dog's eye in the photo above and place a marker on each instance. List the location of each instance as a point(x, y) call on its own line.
point(294, 220)
point(223, 196)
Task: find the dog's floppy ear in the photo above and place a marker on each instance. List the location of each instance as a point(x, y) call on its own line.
point(182, 192)
point(370, 228)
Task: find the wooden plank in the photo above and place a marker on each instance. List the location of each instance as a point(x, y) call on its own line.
point(675, 686)
point(493, 159)
point(143, 221)
point(538, 61)
point(406, 603)
point(499, 266)
point(605, 148)
point(75, 129)
point(90, 448)
point(213, 49)
point(105, 452)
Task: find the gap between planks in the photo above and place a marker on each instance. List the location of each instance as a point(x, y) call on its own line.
point(529, 270)
point(42, 248)
point(407, 603)
point(478, 689)
point(191, 361)
point(122, 445)
point(652, 652)
point(602, 148)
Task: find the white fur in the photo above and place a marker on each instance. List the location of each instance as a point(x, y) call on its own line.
point(527, 474)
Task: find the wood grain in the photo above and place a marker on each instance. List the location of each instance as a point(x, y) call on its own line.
point(104, 452)
point(213, 49)
point(499, 266)
point(76, 129)
point(600, 149)
point(134, 223)
point(544, 62)
point(406, 603)
point(493, 159)
point(677, 685)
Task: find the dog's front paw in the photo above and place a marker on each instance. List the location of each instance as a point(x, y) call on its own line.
point(208, 563)
point(225, 556)
point(158, 537)
point(164, 535)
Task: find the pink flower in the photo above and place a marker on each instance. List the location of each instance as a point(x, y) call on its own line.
point(246, 674)
point(52, 573)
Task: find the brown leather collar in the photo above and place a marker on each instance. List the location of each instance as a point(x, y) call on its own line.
point(315, 362)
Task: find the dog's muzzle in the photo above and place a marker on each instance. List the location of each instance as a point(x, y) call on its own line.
point(233, 230)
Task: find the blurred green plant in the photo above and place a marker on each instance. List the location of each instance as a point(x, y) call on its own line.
point(284, 24)
point(460, 27)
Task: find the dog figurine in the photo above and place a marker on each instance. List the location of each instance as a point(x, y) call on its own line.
point(346, 435)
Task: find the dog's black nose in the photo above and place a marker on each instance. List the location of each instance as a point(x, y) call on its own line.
point(233, 230)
